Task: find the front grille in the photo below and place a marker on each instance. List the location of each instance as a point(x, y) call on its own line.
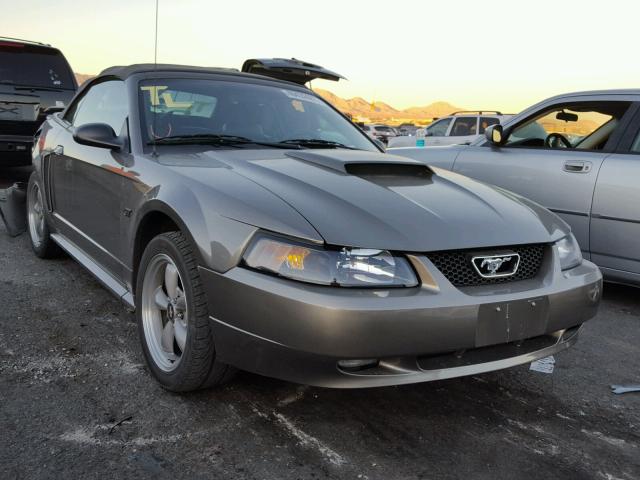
point(457, 267)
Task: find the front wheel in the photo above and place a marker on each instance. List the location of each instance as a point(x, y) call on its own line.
point(173, 319)
point(39, 234)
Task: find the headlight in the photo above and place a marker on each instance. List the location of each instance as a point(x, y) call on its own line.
point(569, 252)
point(346, 267)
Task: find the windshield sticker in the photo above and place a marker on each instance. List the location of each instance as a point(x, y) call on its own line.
point(305, 97)
point(55, 78)
point(298, 105)
point(158, 97)
point(154, 91)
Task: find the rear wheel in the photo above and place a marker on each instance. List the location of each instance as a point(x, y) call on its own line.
point(173, 319)
point(39, 234)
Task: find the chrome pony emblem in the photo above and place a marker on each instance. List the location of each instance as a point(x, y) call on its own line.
point(495, 266)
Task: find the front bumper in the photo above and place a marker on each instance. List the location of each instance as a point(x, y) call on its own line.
point(299, 332)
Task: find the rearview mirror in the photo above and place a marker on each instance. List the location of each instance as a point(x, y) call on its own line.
point(566, 116)
point(98, 135)
point(494, 134)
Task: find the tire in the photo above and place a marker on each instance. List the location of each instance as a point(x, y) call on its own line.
point(177, 340)
point(38, 228)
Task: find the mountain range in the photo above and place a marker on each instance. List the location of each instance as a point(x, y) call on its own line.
point(82, 77)
point(364, 110)
point(359, 108)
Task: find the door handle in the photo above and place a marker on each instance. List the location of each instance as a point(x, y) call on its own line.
point(577, 166)
point(58, 150)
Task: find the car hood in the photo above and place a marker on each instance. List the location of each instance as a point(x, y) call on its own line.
point(376, 200)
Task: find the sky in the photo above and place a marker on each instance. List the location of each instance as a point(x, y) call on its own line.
point(498, 55)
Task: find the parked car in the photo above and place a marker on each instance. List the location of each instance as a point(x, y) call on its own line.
point(457, 128)
point(251, 225)
point(379, 131)
point(35, 80)
point(578, 155)
point(406, 129)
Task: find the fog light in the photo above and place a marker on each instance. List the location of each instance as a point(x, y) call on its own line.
point(358, 364)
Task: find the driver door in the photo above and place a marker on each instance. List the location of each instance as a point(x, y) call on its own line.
point(91, 178)
point(558, 173)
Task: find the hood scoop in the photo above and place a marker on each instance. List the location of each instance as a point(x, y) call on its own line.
point(360, 163)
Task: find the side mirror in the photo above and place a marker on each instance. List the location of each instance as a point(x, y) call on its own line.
point(98, 135)
point(427, 133)
point(380, 144)
point(52, 110)
point(494, 134)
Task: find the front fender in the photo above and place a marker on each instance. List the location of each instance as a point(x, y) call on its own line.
point(555, 225)
point(218, 241)
point(216, 208)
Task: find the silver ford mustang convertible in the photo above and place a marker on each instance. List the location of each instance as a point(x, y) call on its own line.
point(253, 226)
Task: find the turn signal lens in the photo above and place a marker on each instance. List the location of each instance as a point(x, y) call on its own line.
point(275, 255)
point(295, 260)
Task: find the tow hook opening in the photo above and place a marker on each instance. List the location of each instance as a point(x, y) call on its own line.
point(356, 365)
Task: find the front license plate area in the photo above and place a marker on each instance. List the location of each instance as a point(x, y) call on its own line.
point(505, 322)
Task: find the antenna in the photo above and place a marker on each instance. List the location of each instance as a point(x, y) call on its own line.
point(155, 46)
point(154, 92)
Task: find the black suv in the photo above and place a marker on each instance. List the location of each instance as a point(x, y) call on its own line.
point(35, 80)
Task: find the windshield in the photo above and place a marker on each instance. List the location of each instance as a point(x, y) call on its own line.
point(266, 114)
point(31, 66)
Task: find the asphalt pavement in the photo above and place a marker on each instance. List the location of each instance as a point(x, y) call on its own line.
point(77, 401)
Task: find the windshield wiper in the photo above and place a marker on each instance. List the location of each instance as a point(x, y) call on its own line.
point(44, 89)
point(316, 142)
point(213, 139)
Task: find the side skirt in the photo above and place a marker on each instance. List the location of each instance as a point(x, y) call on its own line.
point(96, 270)
point(621, 277)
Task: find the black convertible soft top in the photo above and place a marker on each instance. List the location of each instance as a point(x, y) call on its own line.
point(289, 70)
point(123, 72)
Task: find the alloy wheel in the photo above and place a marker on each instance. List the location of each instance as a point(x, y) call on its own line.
point(36, 215)
point(164, 312)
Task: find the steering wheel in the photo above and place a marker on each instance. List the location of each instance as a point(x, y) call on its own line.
point(166, 133)
point(554, 140)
